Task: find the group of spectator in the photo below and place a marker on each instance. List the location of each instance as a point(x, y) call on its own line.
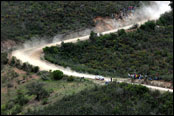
point(140, 76)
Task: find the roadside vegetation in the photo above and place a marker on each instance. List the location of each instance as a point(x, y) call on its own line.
point(112, 99)
point(148, 50)
point(23, 91)
point(21, 20)
point(27, 90)
point(24, 66)
point(4, 59)
point(23, 86)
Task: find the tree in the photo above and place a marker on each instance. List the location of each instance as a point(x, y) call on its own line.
point(57, 74)
point(18, 63)
point(4, 58)
point(13, 60)
point(71, 78)
point(21, 99)
point(93, 36)
point(121, 32)
point(35, 69)
point(36, 88)
point(16, 109)
point(3, 109)
point(171, 4)
point(148, 26)
point(24, 66)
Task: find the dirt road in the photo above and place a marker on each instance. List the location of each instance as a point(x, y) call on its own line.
point(32, 55)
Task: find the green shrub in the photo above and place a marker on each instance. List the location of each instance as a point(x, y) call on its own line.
point(93, 36)
point(167, 77)
point(13, 61)
point(57, 75)
point(118, 54)
point(121, 32)
point(37, 88)
point(45, 101)
point(150, 25)
point(165, 19)
point(107, 100)
point(45, 75)
point(4, 58)
point(71, 78)
point(18, 64)
point(35, 69)
point(21, 98)
point(20, 26)
point(3, 109)
point(16, 109)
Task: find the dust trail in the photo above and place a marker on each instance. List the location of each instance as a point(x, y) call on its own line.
point(150, 12)
point(32, 50)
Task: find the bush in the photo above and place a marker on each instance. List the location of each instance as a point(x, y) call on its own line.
point(150, 25)
point(35, 69)
point(93, 36)
point(4, 58)
point(21, 98)
point(13, 61)
point(167, 77)
point(3, 109)
point(57, 75)
point(10, 104)
point(24, 66)
point(36, 88)
point(121, 32)
point(18, 64)
point(16, 109)
point(165, 19)
point(106, 100)
point(71, 78)
point(45, 75)
point(120, 53)
point(45, 101)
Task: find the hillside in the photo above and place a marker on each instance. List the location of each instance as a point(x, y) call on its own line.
point(147, 50)
point(117, 99)
point(31, 83)
point(23, 90)
point(22, 20)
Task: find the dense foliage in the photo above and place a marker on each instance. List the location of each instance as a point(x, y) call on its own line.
point(71, 78)
point(148, 50)
point(24, 96)
point(4, 59)
point(14, 106)
point(122, 99)
point(21, 20)
point(36, 88)
point(24, 66)
point(57, 74)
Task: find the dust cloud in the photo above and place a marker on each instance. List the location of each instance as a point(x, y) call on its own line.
point(145, 12)
point(141, 14)
point(31, 50)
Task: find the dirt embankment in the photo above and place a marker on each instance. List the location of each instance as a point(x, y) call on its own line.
point(103, 24)
point(158, 83)
point(107, 23)
point(7, 45)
